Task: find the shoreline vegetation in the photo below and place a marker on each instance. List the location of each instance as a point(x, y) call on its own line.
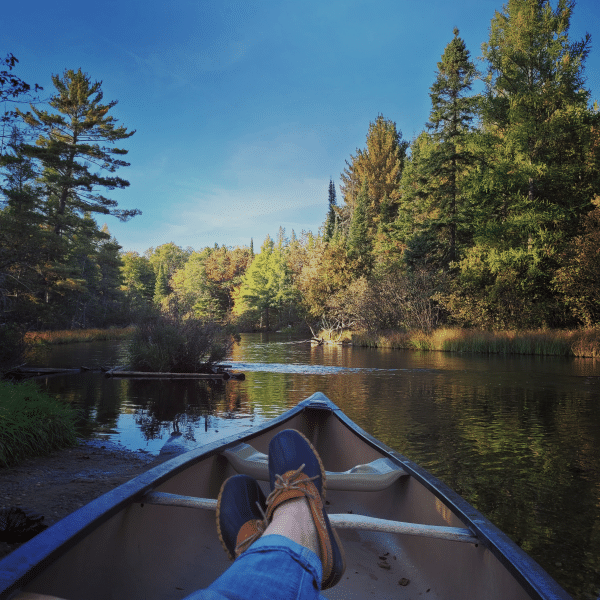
point(580, 343)
point(69, 336)
point(33, 423)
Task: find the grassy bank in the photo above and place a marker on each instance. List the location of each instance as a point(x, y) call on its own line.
point(69, 336)
point(580, 343)
point(32, 423)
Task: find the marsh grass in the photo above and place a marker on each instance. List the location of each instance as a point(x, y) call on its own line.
point(32, 423)
point(580, 343)
point(70, 336)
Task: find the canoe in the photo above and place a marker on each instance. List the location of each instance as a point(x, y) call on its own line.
point(404, 532)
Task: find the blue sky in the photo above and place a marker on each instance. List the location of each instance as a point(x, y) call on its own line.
point(245, 109)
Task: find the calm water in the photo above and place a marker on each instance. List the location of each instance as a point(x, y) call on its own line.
point(519, 438)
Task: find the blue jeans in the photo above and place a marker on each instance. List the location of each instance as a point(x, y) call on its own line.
point(273, 568)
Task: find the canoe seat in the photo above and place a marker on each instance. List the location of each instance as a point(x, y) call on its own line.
point(372, 477)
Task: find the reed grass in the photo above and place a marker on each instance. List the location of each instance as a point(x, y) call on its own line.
point(32, 423)
point(579, 343)
point(69, 336)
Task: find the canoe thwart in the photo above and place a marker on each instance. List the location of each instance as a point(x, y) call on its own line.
point(371, 477)
point(339, 521)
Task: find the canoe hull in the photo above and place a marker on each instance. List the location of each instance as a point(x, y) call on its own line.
point(118, 547)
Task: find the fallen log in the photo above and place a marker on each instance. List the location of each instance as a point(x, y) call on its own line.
point(155, 375)
point(35, 371)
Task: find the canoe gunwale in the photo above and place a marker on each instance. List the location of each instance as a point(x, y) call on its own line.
point(26, 562)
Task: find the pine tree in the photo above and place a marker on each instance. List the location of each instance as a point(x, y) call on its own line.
point(452, 113)
point(70, 145)
point(332, 218)
point(359, 239)
point(539, 169)
point(535, 106)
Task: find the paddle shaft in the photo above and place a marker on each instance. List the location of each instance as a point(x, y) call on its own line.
point(339, 521)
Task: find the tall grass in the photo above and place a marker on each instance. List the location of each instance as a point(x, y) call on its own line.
point(580, 343)
point(32, 423)
point(69, 336)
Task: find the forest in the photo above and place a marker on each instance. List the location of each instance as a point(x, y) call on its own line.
point(488, 219)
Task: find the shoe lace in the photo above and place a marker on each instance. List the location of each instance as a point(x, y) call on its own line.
point(296, 480)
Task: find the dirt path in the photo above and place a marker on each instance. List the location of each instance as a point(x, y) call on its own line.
point(58, 484)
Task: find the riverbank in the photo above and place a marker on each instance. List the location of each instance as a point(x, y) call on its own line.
point(584, 343)
point(69, 336)
point(58, 484)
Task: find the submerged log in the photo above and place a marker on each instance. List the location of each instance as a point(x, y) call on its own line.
point(36, 371)
point(159, 375)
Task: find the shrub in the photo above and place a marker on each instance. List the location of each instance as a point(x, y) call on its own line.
point(173, 344)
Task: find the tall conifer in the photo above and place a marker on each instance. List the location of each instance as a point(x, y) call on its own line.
point(331, 221)
point(69, 147)
point(452, 112)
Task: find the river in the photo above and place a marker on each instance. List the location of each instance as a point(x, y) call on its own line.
point(518, 437)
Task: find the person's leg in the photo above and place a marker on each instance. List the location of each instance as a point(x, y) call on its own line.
point(298, 544)
point(284, 563)
point(294, 521)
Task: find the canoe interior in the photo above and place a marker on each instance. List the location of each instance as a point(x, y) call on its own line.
point(147, 552)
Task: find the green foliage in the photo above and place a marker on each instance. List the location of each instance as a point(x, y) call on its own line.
point(359, 240)
point(536, 173)
point(442, 176)
point(69, 142)
point(172, 343)
point(266, 287)
point(138, 282)
point(578, 278)
point(331, 223)
point(32, 423)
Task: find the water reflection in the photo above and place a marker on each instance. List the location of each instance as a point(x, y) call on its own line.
point(518, 437)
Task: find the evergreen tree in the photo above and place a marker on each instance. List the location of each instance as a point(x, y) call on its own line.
point(452, 113)
point(359, 239)
point(70, 144)
point(539, 171)
point(536, 109)
point(381, 163)
point(331, 221)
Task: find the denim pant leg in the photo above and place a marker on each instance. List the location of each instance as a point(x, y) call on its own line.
point(273, 568)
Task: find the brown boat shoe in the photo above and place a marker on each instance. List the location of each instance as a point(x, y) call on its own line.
point(241, 509)
point(305, 479)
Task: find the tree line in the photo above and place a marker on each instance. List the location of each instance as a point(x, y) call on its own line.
point(489, 218)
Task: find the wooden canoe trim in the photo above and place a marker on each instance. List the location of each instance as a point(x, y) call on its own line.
point(339, 521)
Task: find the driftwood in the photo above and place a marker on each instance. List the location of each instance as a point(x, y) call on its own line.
point(36, 371)
point(155, 375)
